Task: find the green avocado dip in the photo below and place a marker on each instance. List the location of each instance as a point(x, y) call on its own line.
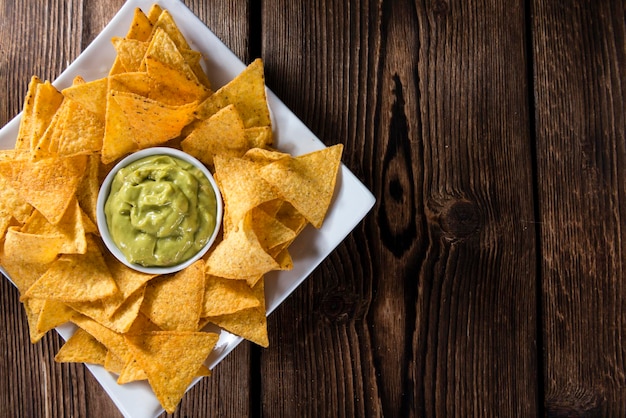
point(160, 211)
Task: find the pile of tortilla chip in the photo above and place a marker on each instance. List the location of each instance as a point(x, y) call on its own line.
point(141, 326)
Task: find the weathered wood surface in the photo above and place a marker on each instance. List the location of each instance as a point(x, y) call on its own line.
point(487, 279)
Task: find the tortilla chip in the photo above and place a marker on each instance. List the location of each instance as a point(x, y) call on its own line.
point(250, 324)
point(91, 96)
point(25, 132)
point(307, 181)
point(221, 134)
point(246, 92)
point(130, 52)
point(171, 360)
point(81, 347)
point(227, 296)
point(48, 184)
point(166, 295)
point(75, 278)
point(251, 261)
point(47, 100)
point(242, 188)
point(118, 133)
point(53, 314)
point(152, 123)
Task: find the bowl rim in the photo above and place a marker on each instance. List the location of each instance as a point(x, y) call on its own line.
point(104, 191)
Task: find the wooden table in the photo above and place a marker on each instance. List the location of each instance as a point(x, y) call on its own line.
point(489, 278)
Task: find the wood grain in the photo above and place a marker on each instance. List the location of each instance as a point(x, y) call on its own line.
point(440, 283)
point(580, 73)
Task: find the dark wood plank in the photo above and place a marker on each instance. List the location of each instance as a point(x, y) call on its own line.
point(580, 73)
point(428, 308)
point(37, 39)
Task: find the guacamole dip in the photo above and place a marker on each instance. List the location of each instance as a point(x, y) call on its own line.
point(160, 211)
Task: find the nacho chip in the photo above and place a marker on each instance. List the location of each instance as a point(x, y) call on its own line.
point(307, 181)
point(32, 307)
point(25, 132)
point(251, 260)
point(246, 92)
point(171, 360)
point(46, 184)
point(75, 278)
point(166, 295)
point(81, 347)
point(22, 273)
point(53, 314)
point(28, 248)
point(47, 100)
point(227, 296)
point(130, 52)
point(87, 190)
point(113, 341)
point(223, 134)
point(118, 133)
point(152, 123)
point(141, 26)
point(242, 188)
point(250, 324)
point(259, 136)
point(166, 23)
point(91, 96)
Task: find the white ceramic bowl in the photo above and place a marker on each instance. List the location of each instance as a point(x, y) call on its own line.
point(104, 194)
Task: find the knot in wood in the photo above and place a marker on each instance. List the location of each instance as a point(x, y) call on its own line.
point(574, 403)
point(460, 219)
point(337, 306)
point(440, 8)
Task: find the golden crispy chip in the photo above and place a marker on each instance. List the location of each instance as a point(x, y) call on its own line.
point(121, 319)
point(118, 133)
point(70, 228)
point(166, 295)
point(113, 341)
point(82, 131)
point(242, 188)
point(76, 278)
point(53, 313)
point(25, 132)
point(128, 281)
point(23, 274)
point(264, 156)
point(47, 100)
point(48, 184)
point(141, 27)
point(226, 296)
point(134, 82)
point(81, 347)
point(269, 231)
point(221, 134)
point(31, 248)
point(290, 217)
point(166, 65)
point(152, 123)
point(246, 92)
point(12, 204)
point(130, 52)
point(251, 259)
point(154, 13)
point(171, 360)
point(166, 23)
point(250, 324)
point(91, 95)
point(113, 363)
point(307, 181)
point(32, 307)
point(131, 372)
point(259, 136)
point(87, 190)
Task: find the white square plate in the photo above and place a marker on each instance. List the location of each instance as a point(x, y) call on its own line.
point(351, 203)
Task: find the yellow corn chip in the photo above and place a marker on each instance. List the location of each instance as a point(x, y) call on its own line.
point(47, 184)
point(171, 360)
point(307, 181)
point(152, 123)
point(53, 314)
point(25, 132)
point(250, 324)
point(75, 278)
point(242, 188)
point(118, 133)
point(226, 296)
point(47, 101)
point(251, 259)
point(91, 95)
point(166, 295)
point(130, 52)
point(246, 92)
point(81, 347)
point(223, 134)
